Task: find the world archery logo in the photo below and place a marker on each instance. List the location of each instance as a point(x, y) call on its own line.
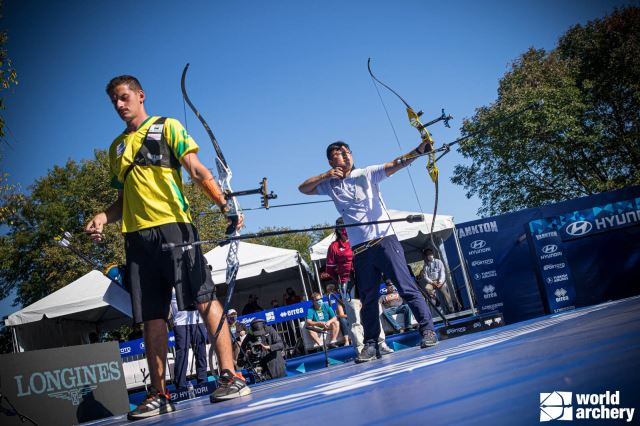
point(579, 228)
point(556, 406)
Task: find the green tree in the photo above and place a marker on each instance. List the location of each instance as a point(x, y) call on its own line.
point(30, 259)
point(8, 78)
point(8, 74)
point(584, 140)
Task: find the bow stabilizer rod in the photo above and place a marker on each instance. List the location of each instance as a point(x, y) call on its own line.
point(411, 219)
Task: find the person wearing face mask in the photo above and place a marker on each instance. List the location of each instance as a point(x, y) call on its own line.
point(320, 315)
point(433, 278)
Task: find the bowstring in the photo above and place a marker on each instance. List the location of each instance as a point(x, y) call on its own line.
point(395, 134)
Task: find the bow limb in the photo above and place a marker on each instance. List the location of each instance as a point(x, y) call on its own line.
point(425, 136)
point(232, 210)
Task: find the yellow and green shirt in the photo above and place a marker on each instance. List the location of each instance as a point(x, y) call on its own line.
point(153, 195)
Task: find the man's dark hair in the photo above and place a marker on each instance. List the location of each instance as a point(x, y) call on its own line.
point(336, 145)
point(427, 250)
point(129, 80)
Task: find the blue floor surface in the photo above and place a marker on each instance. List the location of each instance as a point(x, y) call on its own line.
point(490, 378)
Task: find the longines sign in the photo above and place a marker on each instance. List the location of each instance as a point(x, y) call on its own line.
point(65, 385)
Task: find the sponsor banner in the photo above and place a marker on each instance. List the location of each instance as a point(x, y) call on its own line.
point(198, 390)
point(64, 386)
point(285, 313)
point(591, 221)
point(480, 243)
point(557, 282)
point(136, 347)
point(472, 325)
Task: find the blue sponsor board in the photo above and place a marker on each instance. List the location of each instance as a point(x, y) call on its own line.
point(480, 242)
point(285, 313)
point(136, 347)
point(557, 283)
point(591, 221)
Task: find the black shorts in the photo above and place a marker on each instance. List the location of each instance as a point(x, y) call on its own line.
point(152, 273)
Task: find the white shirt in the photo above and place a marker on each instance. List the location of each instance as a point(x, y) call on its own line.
point(358, 199)
point(182, 317)
point(433, 271)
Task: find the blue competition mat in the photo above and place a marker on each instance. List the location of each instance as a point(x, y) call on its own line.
point(518, 374)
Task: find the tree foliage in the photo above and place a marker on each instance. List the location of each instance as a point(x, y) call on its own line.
point(8, 74)
point(585, 138)
point(30, 259)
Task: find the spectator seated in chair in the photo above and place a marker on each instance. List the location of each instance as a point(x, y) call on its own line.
point(393, 304)
point(322, 316)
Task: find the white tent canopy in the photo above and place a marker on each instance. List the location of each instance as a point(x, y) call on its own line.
point(413, 236)
point(67, 316)
point(264, 271)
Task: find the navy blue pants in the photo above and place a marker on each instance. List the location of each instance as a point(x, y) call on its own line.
point(387, 257)
point(190, 336)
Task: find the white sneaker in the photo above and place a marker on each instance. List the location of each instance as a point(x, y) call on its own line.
point(385, 349)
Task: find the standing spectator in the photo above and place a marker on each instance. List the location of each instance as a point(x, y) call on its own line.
point(433, 278)
point(340, 312)
point(321, 315)
point(238, 332)
point(252, 305)
point(275, 304)
point(393, 304)
point(340, 258)
point(291, 297)
point(189, 332)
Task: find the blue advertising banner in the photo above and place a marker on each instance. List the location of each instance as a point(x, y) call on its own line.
point(558, 284)
point(282, 314)
point(136, 347)
point(550, 234)
point(480, 242)
point(591, 221)
point(603, 267)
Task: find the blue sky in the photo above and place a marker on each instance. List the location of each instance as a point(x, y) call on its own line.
point(276, 80)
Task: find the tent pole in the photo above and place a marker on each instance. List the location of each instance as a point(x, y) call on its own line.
point(315, 269)
point(452, 288)
point(14, 340)
point(304, 286)
point(465, 272)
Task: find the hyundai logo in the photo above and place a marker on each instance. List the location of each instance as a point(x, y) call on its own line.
point(549, 248)
point(578, 228)
point(478, 244)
